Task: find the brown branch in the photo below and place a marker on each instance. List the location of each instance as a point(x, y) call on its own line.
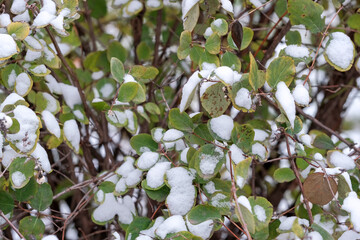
point(11, 224)
point(87, 13)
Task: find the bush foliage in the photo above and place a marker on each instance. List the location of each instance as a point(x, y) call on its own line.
point(193, 119)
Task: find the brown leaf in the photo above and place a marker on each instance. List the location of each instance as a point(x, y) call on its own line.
point(317, 188)
point(237, 33)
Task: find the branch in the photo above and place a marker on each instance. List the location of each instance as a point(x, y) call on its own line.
point(11, 224)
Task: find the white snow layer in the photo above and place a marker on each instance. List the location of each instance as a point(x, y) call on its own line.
point(260, 213)
point(286, 101)
point(245, 202)
point(22, 84)
point(150, 232)
point(188, 89)
point(71, 95)
point(172, 224)
point(237, 155)
point(4, 20)
point(182, 194)
point(172, 135)
point(243, 98)
point(227, 5)
point(18, 178)
point(8, 46)
point(51, 123)
point(301, 95)
point(351, 204)
point(155, 176)
point(202, 230)
point(222, 126)
point(18, 6)
point(338, 159)
point(72, 134)
point(224, 73)
point(40, 154)
point(187, 5)
point(340, 50)
point(296, 51)
point(147, 160)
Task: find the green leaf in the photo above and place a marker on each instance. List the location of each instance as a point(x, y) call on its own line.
point(248, 218)
point(243, 137)
point(15, 127)
point(117, 69)
point(18, 29)
point(208, 58)
point(43, 197)
point(354, 21)
point(222, 201)
point(308, 13)
point(157, 195)
point(284, 175)
point(324, 233)
point(128, 91)
point(183, 235)
point(24, 167)
point(152, 108)
point(202, 213)
point(6, 202)
point(280, 7)
point(208, 161)
point(214, 101)
point(25, 193)
point(138, 224)
point(202, 131)
point(140, 96)
point(184, 45)
point(107, 187)
point(297, 229)
point(280, 69)
point(219, 26)
point(256, 205)
point(116, 50)
point(8, 75)
point(242, 171)
point(142, 141)
point(323, 141)
point(98, 8)
point(143, 51)
point(212, 44)
point(32, 228)
point(256, 77)
point(195, 53)
point(191, 18)
point(231, 60)
point(180, 121)
point(293, 37)
point(248, 34)
point(149, 74)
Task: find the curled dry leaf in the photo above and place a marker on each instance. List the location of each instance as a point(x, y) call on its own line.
point(237, 33)
point(317, 188)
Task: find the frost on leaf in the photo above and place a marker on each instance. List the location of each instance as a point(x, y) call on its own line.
point(8, 46)
point(286, 101)
point(172, 224)
point(188, 91)
point(72, 134)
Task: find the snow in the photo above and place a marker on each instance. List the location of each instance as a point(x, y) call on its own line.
point(8, 46)
point(10, 99)
point(222, 126)
point(51, 123)
point(260, 213)
point(296, 51)
point(210, 187)
point(18, 178)
point(306, 139)
point(6, 121)
point(130, 117)
point(71, 95)
point(151, 231)
point(208, 162)
point(22, 84)
point(97, 75)
point(33, 43)
point(48, 6)
point(349, 234)
point(53, 85)
point(18, 6)
point(58, 23)
point(40, 154)
point(351, 205)
point(155, 176)
point(186, 6)
point(183, 155)
point(260, 135)
point(237, 155)
point(111, 207)
point(172, 135)
point(50, 237)
point(338, 159)
point(347, 179)
point(224, 73)
point(158, 134)
point(26, 138)
point(202, 230)
point(43, 19)
point(340, 50)
point(204, 86)
point(40, 69)
point(172, 224)
point(100, 195)
point(208, 32)
point(126, 167)
point(133, 178)
point(182, 193)
point(72, 134)
point(245, 202)
point(259, 149)
point(32, 55)
point(147, 160)
point(218, 201)
point(12, 78)
point(4, 20)
point(314, 236)
point(134, 6)
point(301, 95)
point(286, 101)
point(24, 17)
point(8, 155)
point(117, 117)
point(227, 5)
point(120, 186)
point(243, 98)
point(188, 88)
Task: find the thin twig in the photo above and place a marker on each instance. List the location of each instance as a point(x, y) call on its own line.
point(11, 224)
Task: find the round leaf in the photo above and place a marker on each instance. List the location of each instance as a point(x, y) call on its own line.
point(317, 188)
